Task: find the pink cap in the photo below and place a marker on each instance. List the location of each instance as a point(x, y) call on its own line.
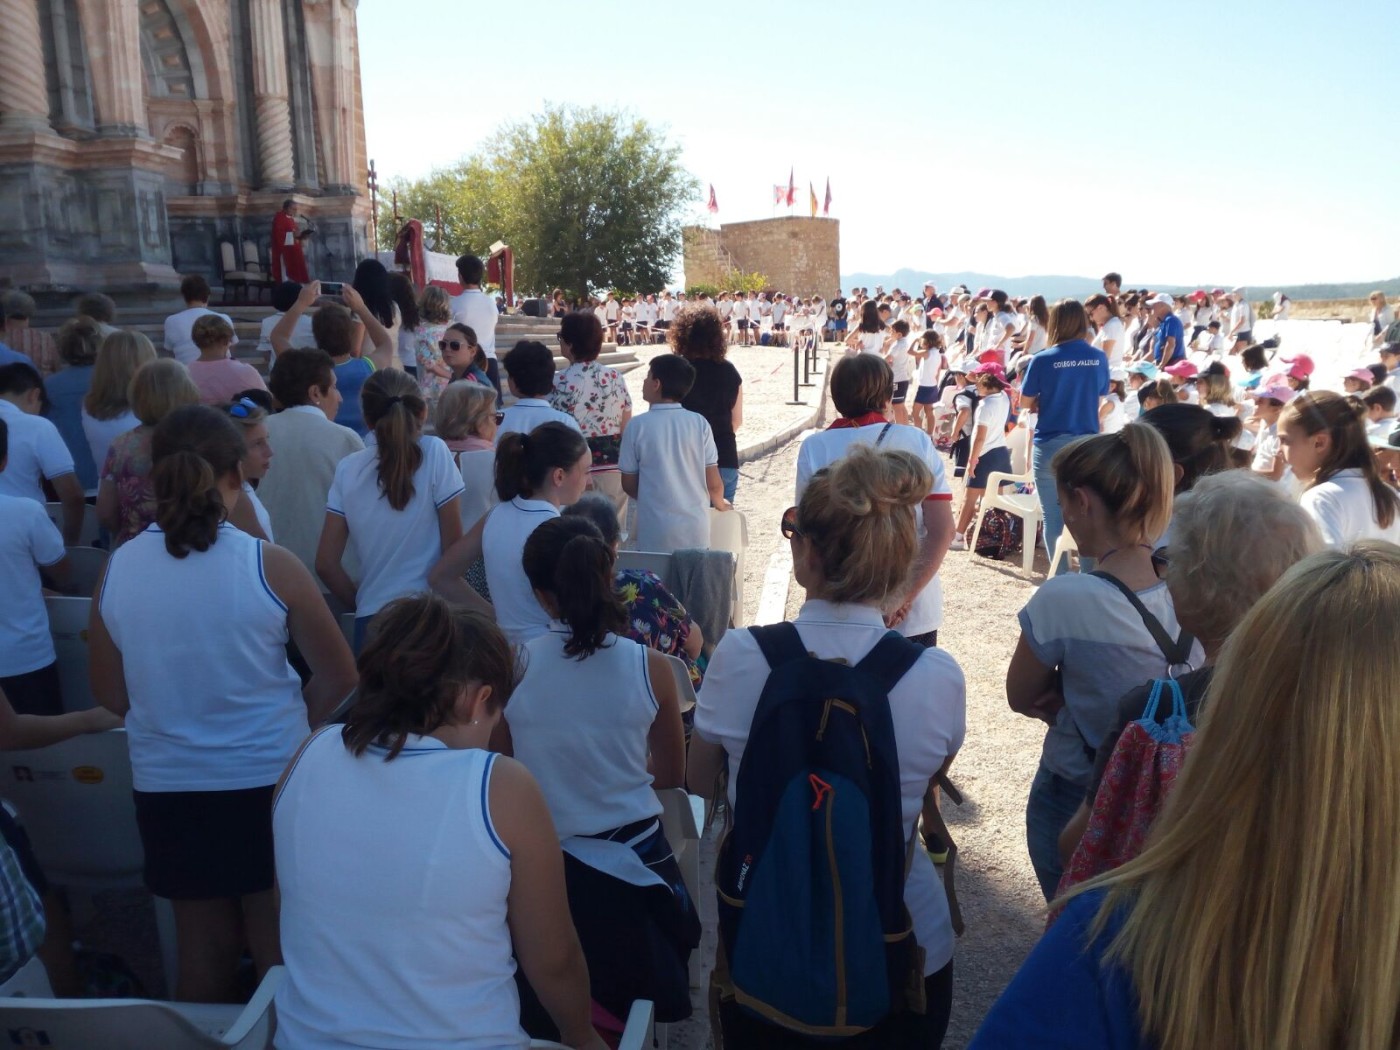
point(990, 368)
point(1300, 366)
point(1280, 393)
point(1182, 370)
point(1364, 374)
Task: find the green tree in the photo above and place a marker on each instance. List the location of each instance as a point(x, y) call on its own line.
point(588, 199)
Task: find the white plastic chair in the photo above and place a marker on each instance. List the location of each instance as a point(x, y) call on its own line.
point(1064, 546)
point(87, 534)
point(685, 689)
point(729, 531)
point(637, 1035)
point(68, 624)
point(142, 1024)
point(74, 800)
point(646, 561)
point(85, 565)
point(1023, 505)
point(1019, 442)
point(682, 818)
point(30, 981)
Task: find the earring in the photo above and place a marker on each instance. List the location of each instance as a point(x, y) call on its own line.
point(474, 721)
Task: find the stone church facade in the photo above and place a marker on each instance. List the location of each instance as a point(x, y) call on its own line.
point(137, 135)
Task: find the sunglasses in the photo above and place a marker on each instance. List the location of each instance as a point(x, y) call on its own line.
point(788, 526)
point(455, 344)
point(500, 418)
point(243, 408)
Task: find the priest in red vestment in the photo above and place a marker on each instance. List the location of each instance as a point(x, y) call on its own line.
point(288, 260)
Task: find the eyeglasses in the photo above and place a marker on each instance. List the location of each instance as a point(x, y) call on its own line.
point(243, 408)
point(788, 526)
point(455, 344)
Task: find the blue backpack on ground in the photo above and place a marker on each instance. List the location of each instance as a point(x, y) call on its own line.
point(814, 935)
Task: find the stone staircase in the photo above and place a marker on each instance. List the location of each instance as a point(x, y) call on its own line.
point(247, 323)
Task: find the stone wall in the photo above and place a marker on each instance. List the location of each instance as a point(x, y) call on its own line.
point(800, 256)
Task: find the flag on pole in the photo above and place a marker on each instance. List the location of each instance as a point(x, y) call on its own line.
point(791, 190)
point(779, 194)
point(812, 193)
point(826, 208)
point(713, 206)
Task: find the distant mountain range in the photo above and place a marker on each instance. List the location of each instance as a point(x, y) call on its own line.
point(1058, 286)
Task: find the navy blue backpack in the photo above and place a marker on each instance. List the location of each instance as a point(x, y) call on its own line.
point(814, 935)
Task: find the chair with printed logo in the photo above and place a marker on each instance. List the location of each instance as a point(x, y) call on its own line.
point(74, 799)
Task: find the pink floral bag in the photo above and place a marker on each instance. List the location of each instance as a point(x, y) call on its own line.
point(1136, 782)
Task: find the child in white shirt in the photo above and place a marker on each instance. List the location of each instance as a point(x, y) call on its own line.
point(669, 464)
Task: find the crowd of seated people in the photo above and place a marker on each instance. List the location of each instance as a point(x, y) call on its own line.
point(398, 717)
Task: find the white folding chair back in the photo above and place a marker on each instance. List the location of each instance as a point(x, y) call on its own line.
point(252, 262)
point(729, 531)
point(85, 565)
point(685, 689)
point(68, 624)
point(647, 561)
point(142, 1024)
point(1064, 547)
point(30, 981)
point(87, 533)
point(638, 1035)
point(228, 258)
point(1025, 506)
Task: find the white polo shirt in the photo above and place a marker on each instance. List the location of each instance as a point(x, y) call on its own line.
point(669, 449)
point(518, 613)
point(178, 327)
point(826, 447)
point(28, 540)
point(37, 452)
point(394, 548)
point(1345, 512)
point(992, 413)
point(529, 412)
point(477, 310)
point(928, 707)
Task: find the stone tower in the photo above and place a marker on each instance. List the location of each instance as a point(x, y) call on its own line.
point(137, 135)
point(799, 256)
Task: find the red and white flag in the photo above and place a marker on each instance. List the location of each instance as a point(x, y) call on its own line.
point(792, 189)
point(713, 206)
point(779, 194)
point(826, 208)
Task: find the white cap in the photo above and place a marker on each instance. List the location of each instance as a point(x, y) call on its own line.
point(1160, 300)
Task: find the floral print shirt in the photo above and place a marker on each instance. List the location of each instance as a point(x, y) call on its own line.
point(426, 352)
point(655, 618)
point(597, 398)
point(128, 467)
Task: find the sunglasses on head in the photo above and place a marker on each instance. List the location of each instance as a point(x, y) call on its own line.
point(788, 526)
point(243, 408)
point(455, 344)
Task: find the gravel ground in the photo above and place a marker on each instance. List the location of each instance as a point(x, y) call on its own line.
point(1000, 900)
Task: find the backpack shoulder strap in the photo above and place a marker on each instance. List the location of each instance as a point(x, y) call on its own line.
point(1176, 652)
point(884, 430)
point(780, 643)
point(891, 659)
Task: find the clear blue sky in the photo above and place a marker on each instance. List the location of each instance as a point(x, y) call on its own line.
point(1249, 142)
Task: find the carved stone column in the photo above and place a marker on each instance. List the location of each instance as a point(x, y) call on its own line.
point(24, 91)
point(112, 37)
point(270, 95)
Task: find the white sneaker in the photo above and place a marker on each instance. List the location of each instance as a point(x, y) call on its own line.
point(958, 544)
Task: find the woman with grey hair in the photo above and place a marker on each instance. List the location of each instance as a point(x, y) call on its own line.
point(1233, 535)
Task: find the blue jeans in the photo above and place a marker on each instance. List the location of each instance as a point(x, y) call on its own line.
point(1042, 452)
point(730, 477)
point(1053, 801)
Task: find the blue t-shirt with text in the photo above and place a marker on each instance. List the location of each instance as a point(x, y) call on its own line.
point(1068, 381)
point(1169, 328)
point(1066, 996)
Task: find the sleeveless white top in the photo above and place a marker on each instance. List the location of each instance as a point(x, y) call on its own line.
point(394, 886)
point(580, 726)
point(518, 614)
point(214, 704)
